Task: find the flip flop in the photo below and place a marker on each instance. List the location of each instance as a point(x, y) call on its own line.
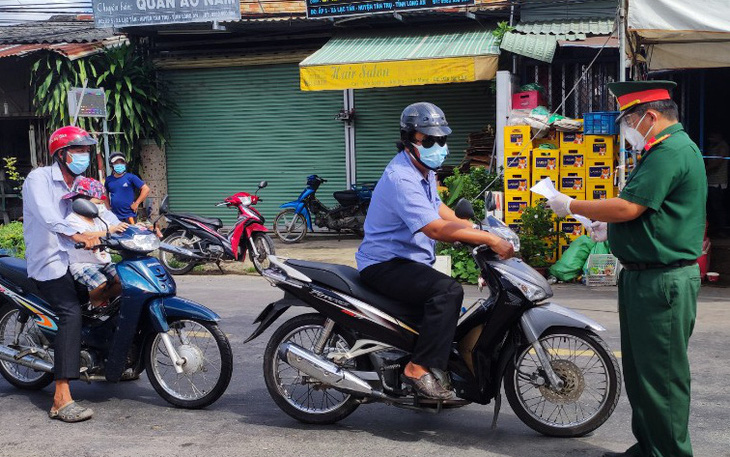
point(71, 412)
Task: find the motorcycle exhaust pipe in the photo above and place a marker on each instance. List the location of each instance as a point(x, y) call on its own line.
point(323, 370)
point(11, 355)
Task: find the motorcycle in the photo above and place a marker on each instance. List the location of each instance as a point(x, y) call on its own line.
point(291, 224)
point(559, 376)
point(204, 237)
point(178, 343)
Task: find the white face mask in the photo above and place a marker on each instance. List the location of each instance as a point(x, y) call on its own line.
point(633, 136)
point(101, 207)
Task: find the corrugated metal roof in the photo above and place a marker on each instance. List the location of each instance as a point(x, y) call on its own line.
point(72, 51)
point(404, 45)
point(568, 30)
point(53, 32)
point(539, 47)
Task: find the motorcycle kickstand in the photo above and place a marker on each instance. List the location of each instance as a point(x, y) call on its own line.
point(218, 264)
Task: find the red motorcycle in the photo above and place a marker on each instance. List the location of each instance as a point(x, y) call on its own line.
point(206, 238)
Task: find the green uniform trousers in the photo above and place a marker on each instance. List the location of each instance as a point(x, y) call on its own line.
point(657, 310)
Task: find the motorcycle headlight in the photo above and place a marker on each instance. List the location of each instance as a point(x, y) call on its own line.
point(245, 201)
point(531, 291)
point(507, 234)
point(141, 243)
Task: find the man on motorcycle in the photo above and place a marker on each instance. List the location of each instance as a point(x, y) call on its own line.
point(404, 221)
point(48, 237)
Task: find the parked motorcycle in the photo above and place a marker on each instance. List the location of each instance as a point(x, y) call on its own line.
point(204, 237)
point(559, 376)
point(292, 224)
point(176, 341)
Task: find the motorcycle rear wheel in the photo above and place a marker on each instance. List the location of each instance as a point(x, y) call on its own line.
point(289, 226)
point(303, 399)
point(20, 376)
point(208, 368)
point(174, 263)
point(265, 248)
point(592, 384)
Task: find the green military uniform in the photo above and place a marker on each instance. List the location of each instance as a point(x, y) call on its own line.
point(658, 301)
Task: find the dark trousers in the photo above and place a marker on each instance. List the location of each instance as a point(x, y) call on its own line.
point(716, 210)
point(61, 295)
point(439, 296)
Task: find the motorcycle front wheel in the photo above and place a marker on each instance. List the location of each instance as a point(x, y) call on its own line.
point(301, 397)
point(590, 393)
point(264, 247)
point(175, 263)
point(18, 375)
point(289, 226)
point(207, 369)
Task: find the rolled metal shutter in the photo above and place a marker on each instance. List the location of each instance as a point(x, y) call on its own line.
point(240, 125)
point(469, 107)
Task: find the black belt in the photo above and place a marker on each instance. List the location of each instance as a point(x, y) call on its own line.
point(654, 266)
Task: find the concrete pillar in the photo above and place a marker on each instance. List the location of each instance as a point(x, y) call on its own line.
point(153, 172)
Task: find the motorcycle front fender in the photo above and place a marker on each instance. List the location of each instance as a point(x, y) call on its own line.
point(541, 318)
point(162, 309)
point(272, 312)
point(300, 208)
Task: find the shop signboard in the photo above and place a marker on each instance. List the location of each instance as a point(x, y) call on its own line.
point(130, 13)
point(340, 8)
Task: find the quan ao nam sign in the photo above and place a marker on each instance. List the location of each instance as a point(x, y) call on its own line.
point(130, 13)
point(338, 8)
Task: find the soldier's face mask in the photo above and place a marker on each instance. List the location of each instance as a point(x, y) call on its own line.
point(632, 134)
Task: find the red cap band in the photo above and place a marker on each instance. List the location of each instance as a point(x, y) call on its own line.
point(644, 96)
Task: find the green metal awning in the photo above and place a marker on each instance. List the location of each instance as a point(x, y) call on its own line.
point(401, 58)
point(538, 47)
point(568, 30)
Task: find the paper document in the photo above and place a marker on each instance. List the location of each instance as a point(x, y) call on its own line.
point(546, 188)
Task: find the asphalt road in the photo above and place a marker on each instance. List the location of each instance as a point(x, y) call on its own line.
point(132, 420)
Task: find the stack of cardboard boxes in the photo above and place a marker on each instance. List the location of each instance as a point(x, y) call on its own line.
point(581, 166)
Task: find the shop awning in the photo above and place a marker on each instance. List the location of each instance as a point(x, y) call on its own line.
point(680, 34)
point(359, 61)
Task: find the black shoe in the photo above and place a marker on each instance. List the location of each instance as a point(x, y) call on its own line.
point(428, 386)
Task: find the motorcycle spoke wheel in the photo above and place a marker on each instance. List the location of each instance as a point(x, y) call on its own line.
point(265, 248)
point(289, 226)
point(207, 369)
point(19, 375)
point(175, 263)
point(303, 398)
point(591, 384)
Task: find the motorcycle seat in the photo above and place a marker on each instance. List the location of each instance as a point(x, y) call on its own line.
point(347, 197)
point(212, 221)
point(347, 279)
point(15, 270)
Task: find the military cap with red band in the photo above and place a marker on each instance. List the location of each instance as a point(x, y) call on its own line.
point(632, 93)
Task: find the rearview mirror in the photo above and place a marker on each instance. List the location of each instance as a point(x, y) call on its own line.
point(463, 209)
point(263, 184)
point(490, 203)
point(164, 205)
point(85, 208)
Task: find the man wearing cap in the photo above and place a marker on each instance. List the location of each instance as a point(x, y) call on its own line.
point(121, 187)
point(655, 228)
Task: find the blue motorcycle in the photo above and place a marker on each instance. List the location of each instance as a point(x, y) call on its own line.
point(176, 341)
point(291, 224)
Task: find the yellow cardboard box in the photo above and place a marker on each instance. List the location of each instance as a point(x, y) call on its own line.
point(517, 137)
point(600, 170)
point(600, 146)
point(517, 184)
point(571, 228)
point(515, 205)
point(599, 190)
point(545, 160)
point(577, 194)
point(516, 162)
point(572, 181)
point(572, 140)
point(572, 160)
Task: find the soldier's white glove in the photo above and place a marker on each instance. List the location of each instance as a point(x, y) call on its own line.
point(599, 231)
point(560, 204)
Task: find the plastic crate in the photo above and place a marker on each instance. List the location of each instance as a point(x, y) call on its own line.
point(600, 123)
point(602, 270)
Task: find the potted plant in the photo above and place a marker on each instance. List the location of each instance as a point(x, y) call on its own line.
point(539, 237)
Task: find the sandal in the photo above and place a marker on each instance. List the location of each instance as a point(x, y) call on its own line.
point(71, 412)
point(428, 386)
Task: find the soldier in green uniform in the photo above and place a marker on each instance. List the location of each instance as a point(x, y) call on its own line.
point(655, 228)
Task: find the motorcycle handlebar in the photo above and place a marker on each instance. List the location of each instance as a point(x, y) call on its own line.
point(80, 245)
point(221, 204)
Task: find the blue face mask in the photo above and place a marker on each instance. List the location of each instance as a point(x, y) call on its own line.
point(434, 156)
point(79, 163)
point(120, 168)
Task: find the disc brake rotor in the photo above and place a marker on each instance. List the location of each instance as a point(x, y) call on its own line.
point(574, 381)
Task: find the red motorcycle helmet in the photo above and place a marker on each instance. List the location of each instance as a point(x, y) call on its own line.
point(69, 136)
